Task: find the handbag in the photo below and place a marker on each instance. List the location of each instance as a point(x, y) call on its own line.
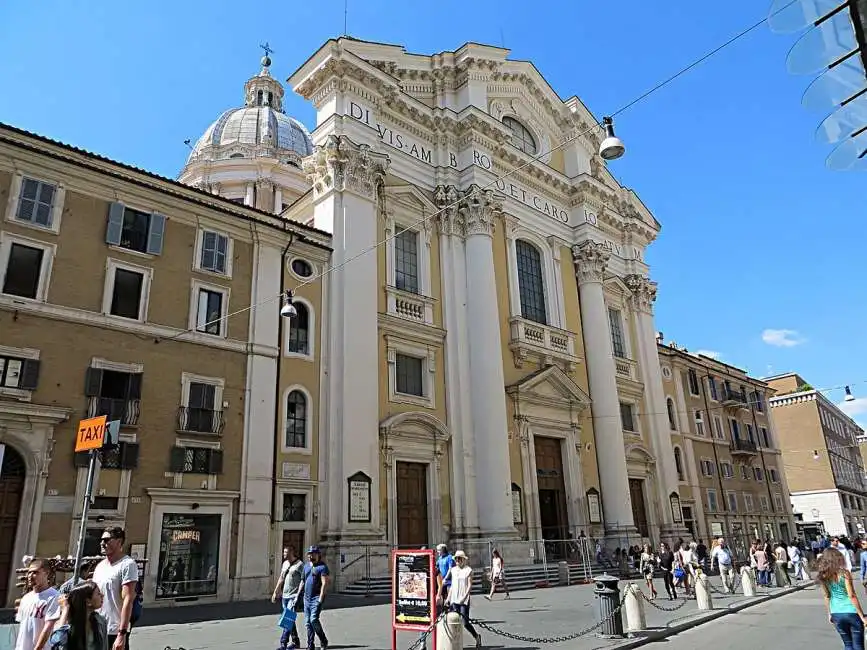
point(679, 572)
point(288, 618)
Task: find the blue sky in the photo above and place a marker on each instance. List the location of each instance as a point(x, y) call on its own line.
point(757, 234)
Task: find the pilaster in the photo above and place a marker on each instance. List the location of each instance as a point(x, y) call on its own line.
point(591, 259)
point(346, 179)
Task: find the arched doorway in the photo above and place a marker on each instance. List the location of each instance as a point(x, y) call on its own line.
point(12, 474)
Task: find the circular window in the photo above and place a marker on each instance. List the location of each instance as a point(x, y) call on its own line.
point(666, 372)
point(301, 268)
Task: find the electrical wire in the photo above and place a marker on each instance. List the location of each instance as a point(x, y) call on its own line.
point(486, 187)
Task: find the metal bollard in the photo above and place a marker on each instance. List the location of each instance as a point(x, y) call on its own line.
point(608, 594)
point(702, 592)
point(563, 574)
point(450, 632)
point(633, 605)
point(748, 581)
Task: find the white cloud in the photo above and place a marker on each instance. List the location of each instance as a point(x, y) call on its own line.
point(856, 407)
point(782, 338)
point(713, 354)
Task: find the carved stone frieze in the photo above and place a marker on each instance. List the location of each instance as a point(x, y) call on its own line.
point(591, 259)
point(643, 292)
point(341, 165)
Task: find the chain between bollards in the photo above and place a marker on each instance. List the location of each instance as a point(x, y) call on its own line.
point(654, 604)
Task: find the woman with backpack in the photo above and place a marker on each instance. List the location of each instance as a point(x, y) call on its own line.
point(82, 626)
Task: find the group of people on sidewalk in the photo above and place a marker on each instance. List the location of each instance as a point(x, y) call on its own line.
point(84, 614)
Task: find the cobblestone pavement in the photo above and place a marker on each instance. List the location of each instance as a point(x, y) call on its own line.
point(796, 622)
point(536, 614)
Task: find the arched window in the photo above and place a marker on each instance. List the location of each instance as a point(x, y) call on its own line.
point(259, 96)
point(299, 331)
point(296, 419)
point(678, 463)
point(672, 417)
point(521, 137)
point(530, 284)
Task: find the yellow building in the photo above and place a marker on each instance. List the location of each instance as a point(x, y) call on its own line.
point(727, 451)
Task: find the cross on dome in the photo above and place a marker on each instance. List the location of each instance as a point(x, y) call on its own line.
point(263, 89)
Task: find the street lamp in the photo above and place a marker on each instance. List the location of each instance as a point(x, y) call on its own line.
point(849, 396)
point(288, 309)
point(612, 147)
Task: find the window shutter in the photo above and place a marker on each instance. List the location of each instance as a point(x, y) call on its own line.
point(81, 459)
point(155, 234)
point(215, 461)
point(222, 251)
point(57, 204)
point(29, 375)
point(133, 389)
point(93, 382)
point(209, 251)
point(129, 455)
point(115, 223)
point(177, 459)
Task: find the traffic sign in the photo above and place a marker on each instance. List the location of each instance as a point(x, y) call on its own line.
point(91, 434)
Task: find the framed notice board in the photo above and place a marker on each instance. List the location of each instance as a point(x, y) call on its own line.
point(413, 597)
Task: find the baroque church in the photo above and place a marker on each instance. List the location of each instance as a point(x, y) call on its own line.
point(481, 356)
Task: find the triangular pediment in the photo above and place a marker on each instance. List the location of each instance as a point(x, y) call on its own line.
point(410, 196)
point(550, 385)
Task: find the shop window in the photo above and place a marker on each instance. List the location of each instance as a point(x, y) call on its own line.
point(189, 556)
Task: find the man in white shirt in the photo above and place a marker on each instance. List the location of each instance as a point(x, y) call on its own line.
point(38, 611)
point(847, 557)
point(722, 557)
point(116, 576)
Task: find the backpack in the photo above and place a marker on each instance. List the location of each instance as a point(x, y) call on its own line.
point(138, 603)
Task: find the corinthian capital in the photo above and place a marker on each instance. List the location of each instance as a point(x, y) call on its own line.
point(450, 220)
point(643, 292)
point(479, 209)
point(590, 260)
point(341, 165)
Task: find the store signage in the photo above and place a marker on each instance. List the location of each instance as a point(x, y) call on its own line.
point(396, 139)
point(413, 597)
point(593, 509)
point(186, 536)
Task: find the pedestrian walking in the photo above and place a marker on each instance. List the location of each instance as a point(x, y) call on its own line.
point(445, 561)
point(83, 628)
point(760, 557)
point(722, 557)
point(666, 563)
point(316, 579)
point(647, 565)
point(39, 609)
point(844, 610)
point(458, 598)
point(498, 574)
point(116, 576)
point(781, 565)
point(288, 588)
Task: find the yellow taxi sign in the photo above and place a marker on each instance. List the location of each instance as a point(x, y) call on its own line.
point(91, 434)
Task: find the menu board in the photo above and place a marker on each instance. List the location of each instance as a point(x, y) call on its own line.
point(413, 594)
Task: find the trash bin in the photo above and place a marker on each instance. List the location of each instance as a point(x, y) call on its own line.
point(608, 594)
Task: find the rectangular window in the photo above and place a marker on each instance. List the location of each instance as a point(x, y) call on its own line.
point(692, 378)
point(717, 428)
point(627, 417)
point(735, 427)
point(745, 473)
point(707, 467)
point(765, 438)
point(751, 434)
point(758, 473)
point(760, 402)
point(748, 502)
point(214, 252)
point(200, 413)
point(726, 470)
point(763, 503)
point(23, 271)
point(778, 502)
point(732, 501)
point(17, 373)
point(190, 555)
point(406, 260)
point(196, 460)
point(209, 312)
point(126, 293)
point(772, 474)
point(615, 321)
point(409, 377)
point(294, 507)
point(712, 504)
point(714, 395)
point(36, 202)
point(135, 230)
point(699, 423)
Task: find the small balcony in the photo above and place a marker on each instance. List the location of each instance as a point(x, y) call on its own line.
point(200, 420)
point(410, 306)
point(742, 447)
point(125, 410)
point(541, 342)
point(732, 397)
point(626, 368)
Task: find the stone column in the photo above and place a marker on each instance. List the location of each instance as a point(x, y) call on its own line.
point(278, 199)
point(346, 180)
point(465, 522)
point(591, 259)
point(249, 197)
point(490, 426)
point(643, 295)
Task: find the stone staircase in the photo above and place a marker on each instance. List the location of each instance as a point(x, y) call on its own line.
point(519, 578)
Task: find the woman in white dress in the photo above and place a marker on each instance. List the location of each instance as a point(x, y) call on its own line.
point(498, 574)
point(458, 597)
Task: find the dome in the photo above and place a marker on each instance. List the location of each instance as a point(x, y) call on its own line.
point(257, 129)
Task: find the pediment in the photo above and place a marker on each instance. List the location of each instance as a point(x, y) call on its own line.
point(550, 386)
point(411, 197)
point(615, 285)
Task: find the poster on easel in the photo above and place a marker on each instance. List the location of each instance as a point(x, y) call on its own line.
point(413, 591)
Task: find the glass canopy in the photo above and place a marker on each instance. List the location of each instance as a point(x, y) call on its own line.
point(826, 43)
point(786, 17)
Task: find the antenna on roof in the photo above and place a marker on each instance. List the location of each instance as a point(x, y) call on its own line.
point(187, 142)
point(502, 39)
point(345, 17)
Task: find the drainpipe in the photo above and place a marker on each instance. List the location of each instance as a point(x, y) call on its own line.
point(277, 381)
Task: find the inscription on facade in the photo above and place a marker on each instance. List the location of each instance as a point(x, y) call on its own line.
point(625, 252)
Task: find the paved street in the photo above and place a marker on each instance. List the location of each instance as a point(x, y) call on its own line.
point(795, 622)
point(538, 613)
